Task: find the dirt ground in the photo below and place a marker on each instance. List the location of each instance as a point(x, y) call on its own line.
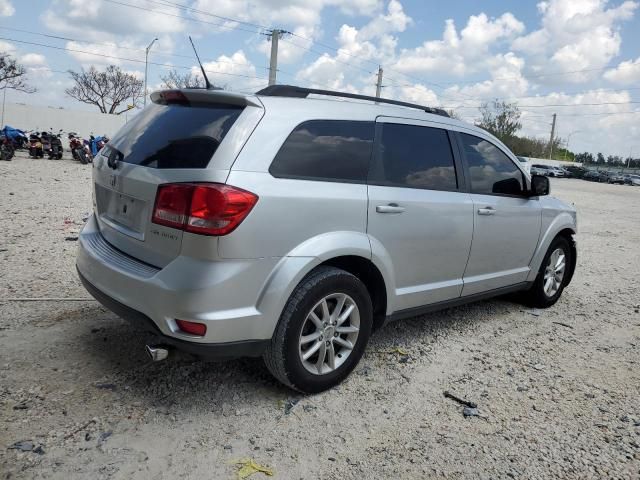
point(557, 389)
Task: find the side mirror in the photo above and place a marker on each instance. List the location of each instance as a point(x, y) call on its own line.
point(539, 185)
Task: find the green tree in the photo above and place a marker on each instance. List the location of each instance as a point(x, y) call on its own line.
point(500, 118)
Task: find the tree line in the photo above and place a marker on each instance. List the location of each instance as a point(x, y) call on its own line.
point(502, 119)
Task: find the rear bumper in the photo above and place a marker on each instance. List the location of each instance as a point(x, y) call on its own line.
point(221, 294)
point(249, 348)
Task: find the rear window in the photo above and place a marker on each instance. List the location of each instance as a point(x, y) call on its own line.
point(173, 136)
point(329, 150)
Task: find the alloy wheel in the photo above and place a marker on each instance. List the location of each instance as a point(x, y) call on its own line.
point(329, 333)
point(554, 272)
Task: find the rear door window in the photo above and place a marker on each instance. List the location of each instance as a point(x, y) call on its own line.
point(414, 156)
point(329, 150)
point(173, 136)
point(491, 171)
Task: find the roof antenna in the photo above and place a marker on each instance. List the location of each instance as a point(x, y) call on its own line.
point(206, 80)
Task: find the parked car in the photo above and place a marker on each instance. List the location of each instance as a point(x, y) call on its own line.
point(538, 171)
point(616, 178)
point(631, 179)
point(576, 171)
point(550, 170)
point(289, 227)
point(592, 176)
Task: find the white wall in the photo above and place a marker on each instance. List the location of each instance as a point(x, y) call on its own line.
point(553, 163)
point(29, 117)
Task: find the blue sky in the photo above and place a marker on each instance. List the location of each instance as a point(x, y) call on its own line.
point(579, 59)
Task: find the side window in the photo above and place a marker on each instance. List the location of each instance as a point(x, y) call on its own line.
point(415, 157)
point(331, 150)
point(491, 171)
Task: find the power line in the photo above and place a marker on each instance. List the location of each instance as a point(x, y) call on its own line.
point(69, 39)
point(220, 25)
point(125, 59)
point(228, 19)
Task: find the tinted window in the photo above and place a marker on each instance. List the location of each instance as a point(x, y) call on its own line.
point(415, 157)
point(491, 170)
point(173, 136)
point(331, 150)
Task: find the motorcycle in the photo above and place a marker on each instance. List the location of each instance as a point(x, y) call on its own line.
point(6, 148)
point(46, 143)
point(35, 146)
point(55, 150)
point(17, 137)
point(78, 150)
point(97, 143)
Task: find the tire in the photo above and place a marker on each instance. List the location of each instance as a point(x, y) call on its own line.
point(537, 296)
point(283, 356)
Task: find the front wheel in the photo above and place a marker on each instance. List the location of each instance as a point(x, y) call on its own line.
point(552, 277)
point(322, 332)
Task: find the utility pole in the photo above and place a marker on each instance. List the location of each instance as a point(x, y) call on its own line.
point(146, 67)
point(553, 131)
point(4, 98)
point(273, 62)
point(379, 82)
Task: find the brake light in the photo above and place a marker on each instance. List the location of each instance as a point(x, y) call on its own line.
point(192, 328)
point(202, 208)
point(169, 97)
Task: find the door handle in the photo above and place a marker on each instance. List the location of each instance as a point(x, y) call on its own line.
point(487, 211)
point(391, 208)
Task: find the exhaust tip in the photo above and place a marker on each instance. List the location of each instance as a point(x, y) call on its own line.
point(157, 353)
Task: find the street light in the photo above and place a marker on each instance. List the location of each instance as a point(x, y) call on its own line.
point(146, 65)
point(568, 139)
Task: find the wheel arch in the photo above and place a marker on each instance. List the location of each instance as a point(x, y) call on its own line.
point(563, 226)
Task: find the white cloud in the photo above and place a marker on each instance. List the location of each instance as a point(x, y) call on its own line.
point(6, 8)
point(33, 60)
point(100, 21)
point(626, 73)
point(6, 47)
point(460, 53)
point(575, 35)
point(235, 72)
point(357, 48)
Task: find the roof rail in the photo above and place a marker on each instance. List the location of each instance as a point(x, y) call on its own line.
point(300, 92)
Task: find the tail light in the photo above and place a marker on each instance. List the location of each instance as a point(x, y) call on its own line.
point(202, 208)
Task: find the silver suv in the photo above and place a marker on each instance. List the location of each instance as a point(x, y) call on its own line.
point(292, 223)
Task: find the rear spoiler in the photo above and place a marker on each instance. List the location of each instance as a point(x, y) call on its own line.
point(203, 96)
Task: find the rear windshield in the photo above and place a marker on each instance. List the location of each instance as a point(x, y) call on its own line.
point(173, 136)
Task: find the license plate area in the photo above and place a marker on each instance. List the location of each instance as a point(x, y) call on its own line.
point(122, 212)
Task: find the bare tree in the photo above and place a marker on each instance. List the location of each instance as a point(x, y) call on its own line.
point(106, 90)
point(502, 119)
point(174, 79)
point(453, 114)
point(13, 75)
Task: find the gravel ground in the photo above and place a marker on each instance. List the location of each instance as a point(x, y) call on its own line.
point(557, 389)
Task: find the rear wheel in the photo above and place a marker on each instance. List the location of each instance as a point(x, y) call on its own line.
point(322, 332)
point(552, 277)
